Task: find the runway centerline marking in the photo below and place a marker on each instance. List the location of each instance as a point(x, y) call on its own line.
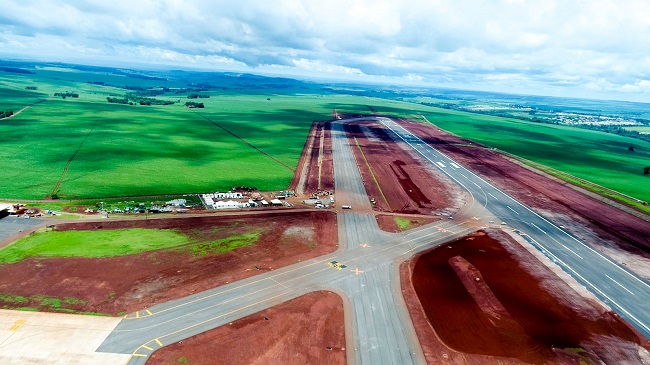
point(619, 284)
point(556, 241)
point(516, 212)
point(556, 259)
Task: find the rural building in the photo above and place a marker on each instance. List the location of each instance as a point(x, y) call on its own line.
point(230, 204)
point(209, 202)
point(264, 203)
point(177, 202)
point(276, 203)
point(227, 195)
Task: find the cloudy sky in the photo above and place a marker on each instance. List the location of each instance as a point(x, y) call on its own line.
point(584, 48)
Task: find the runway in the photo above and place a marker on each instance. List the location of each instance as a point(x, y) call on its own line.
point(627, 293)
point(379, 329)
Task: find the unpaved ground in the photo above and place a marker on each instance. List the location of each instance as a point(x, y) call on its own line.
point(315, 170)
point(485, 299)
point(296, 332)
point(394, 178)
point(135, 282)
point(620, 235)
point(387, 222)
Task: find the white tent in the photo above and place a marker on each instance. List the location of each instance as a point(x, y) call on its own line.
point(232, 204)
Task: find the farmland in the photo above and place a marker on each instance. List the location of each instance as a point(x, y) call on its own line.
point(251, 133)
point(599, 157)
point(110, 150)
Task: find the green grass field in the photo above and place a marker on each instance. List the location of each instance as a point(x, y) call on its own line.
point(402, 223)
point(644, 129)
point(118, 242)
point(598, 157)
point(117, 150)
point(104, 243)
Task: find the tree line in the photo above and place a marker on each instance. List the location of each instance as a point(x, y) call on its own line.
point(193, 104)
point(67, 94)
point(197, 95)
point(137, 98)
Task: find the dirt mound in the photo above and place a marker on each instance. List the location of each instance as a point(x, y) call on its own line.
point(396, 181)
point(306, 330)
point(480, 300)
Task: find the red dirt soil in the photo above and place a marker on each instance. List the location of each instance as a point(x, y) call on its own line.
point(387, 222)
point(592, 220)
point(296, 332)
point(296, 184)
point(315, 170)
point(392, 176)
point(135, 282)
point(466, 311)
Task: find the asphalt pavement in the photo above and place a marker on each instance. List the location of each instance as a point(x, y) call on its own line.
point(624, 291)
point(378, 328)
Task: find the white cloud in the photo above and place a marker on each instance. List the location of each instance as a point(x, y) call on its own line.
point(587, 44)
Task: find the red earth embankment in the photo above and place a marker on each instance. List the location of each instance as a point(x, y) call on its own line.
point(486, 299)
point(392, 176)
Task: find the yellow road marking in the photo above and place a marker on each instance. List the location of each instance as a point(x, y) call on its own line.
point(148, 312)
point(147, 347)
point(126, 316)
point(224, 315)
point(158, 342)
point(137, 314)
point(19, 323)
point(371, 173)
point(248, 284)
point(139, 355)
